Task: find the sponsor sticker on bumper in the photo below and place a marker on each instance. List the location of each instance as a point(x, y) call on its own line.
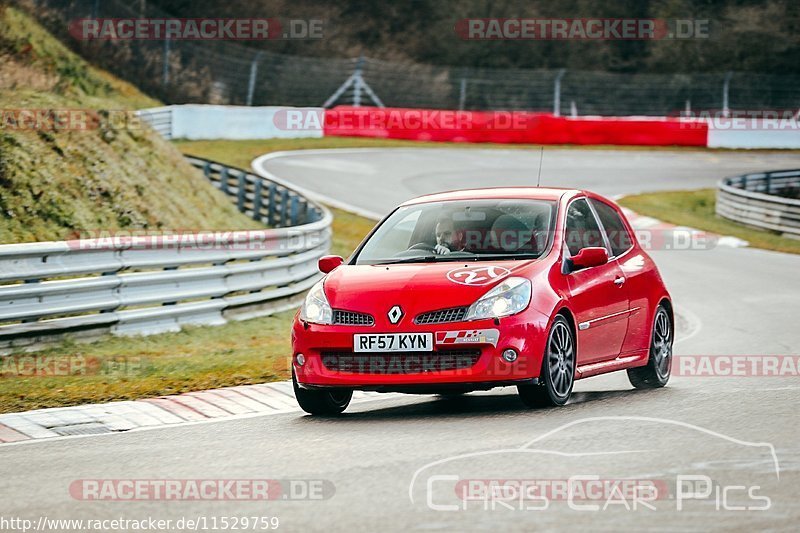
point(468, 336)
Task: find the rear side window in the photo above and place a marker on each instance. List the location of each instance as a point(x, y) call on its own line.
point(582, 228)
point(618, 235)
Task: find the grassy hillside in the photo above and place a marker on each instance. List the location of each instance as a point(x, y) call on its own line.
point(114, 174)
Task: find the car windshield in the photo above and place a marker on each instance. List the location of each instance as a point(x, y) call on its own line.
point(473, 230)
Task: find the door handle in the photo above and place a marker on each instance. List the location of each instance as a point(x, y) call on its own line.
point(619, 281)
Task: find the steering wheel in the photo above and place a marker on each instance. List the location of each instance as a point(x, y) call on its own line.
point(424, 246)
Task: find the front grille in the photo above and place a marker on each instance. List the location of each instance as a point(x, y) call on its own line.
point(441, 316)
point(399, 363)
point(351, 318)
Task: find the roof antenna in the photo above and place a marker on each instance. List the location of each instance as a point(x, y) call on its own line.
point(539, 177)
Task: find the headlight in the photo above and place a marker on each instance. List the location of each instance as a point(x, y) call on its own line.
point(510, 297)
point(316, 308)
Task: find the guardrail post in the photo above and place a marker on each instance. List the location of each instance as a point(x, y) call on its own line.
point(302, 215)
point(767, 183)
point(240, 193)
point(207, 171)
point(257, 199)
point(462, 94)
point(271, 204)
point(223, 180)
point(294, 210)
point(284, 206)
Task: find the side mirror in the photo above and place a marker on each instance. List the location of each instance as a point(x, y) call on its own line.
point(329, 262)
point(590, 257)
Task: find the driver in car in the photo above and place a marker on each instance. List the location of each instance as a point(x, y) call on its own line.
point(446, 240)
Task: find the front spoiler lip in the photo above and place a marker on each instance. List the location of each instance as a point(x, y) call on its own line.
point(427, 388)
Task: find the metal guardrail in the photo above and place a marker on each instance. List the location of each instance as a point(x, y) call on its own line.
point(274, 204)
point(138, 284)
point(159, 118)
point(753, 199)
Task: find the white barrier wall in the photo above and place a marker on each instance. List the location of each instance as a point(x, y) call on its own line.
point(788, 137)
point(197, 121)
point(238, 122)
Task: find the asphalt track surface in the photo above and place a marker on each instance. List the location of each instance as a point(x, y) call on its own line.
point(391, 461)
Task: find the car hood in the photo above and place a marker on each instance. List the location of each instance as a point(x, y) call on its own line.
point(417, 288)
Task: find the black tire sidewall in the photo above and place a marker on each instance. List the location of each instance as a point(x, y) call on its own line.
point(662, 380)
point(554, 397)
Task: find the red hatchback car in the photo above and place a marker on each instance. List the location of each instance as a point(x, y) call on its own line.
point(469, 290)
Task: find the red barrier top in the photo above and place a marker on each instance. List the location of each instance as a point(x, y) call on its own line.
point(511, 127)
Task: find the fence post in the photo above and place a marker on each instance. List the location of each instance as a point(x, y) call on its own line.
point(357, 86)
point(251, 85)
point(726, 85)
point(165, 73)
point(462, 96)
point(557, 93)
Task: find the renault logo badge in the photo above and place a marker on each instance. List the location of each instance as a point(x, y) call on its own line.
point(395, 314)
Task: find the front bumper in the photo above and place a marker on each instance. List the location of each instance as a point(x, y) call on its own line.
point(525, 333)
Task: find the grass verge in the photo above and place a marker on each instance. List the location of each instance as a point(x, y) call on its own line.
point(696, 210)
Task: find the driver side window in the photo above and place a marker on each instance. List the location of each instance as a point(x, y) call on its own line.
point(582, 229)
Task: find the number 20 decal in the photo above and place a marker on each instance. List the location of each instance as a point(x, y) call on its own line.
point(477, 275)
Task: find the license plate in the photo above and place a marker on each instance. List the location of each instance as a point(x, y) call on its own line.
point(393, 342)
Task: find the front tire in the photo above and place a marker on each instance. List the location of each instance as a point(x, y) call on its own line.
point(321, 402)
point(656, 372)
point(558, 369)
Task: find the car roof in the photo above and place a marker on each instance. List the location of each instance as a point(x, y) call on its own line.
point(488, 193)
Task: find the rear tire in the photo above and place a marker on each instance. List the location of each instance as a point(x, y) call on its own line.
point(558, 369)
point(655, 373)
point(321, 402)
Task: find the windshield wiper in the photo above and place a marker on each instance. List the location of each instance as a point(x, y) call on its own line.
point(456, 258)
point(530, 255)
point(415, 259)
